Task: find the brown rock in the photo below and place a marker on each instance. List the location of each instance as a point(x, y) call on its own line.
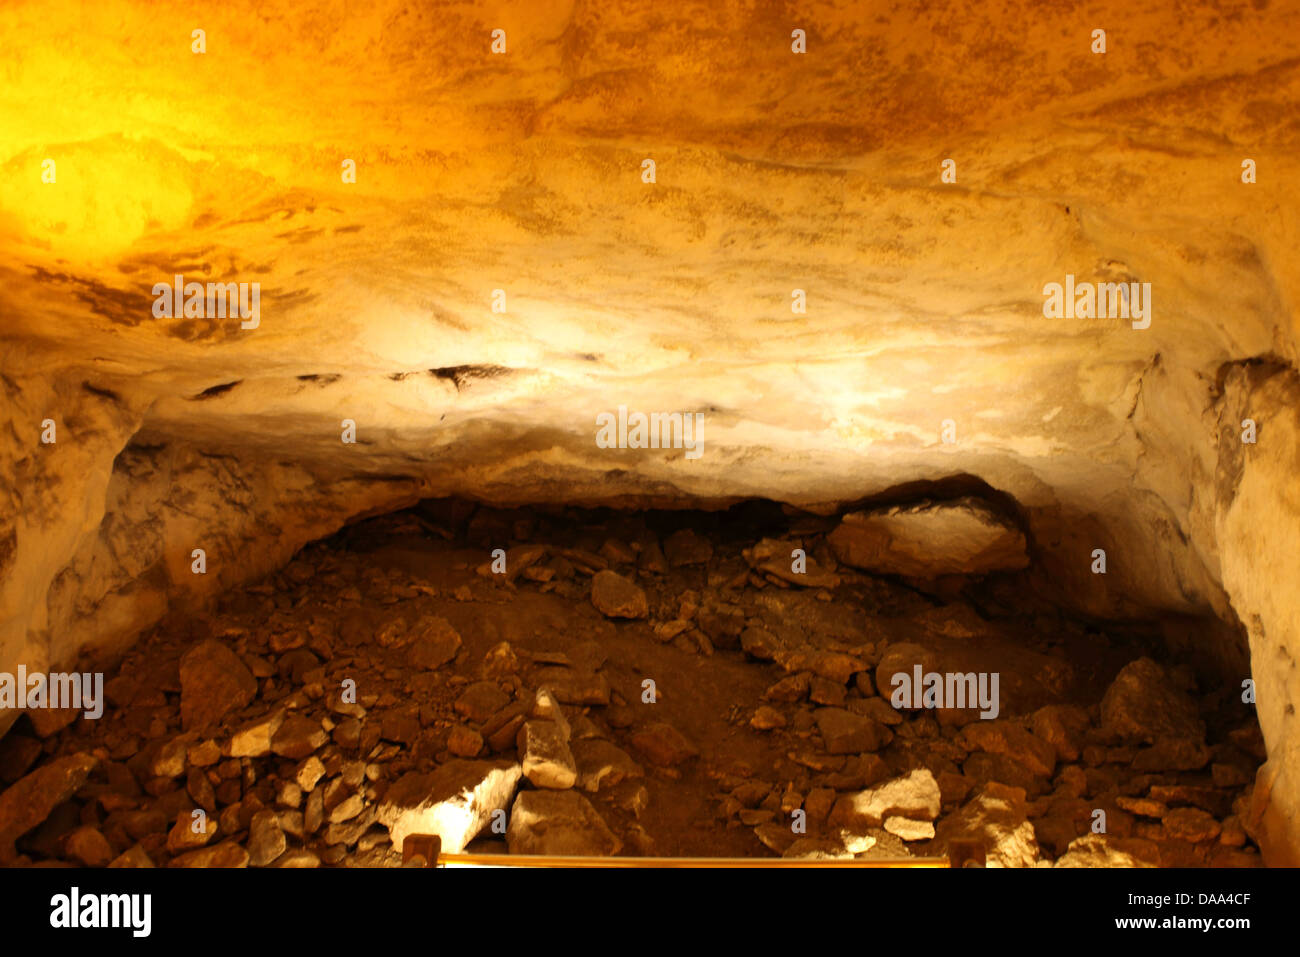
point(601, 764)
point(684, 547)
point(455, 802)
point(499, 661)
point(878, 709)
point(1143, 704)
point(1106, 850)
point(309, 772)
point(435, 643)
point(88, 847)
point(200, 789)
point(191, 831)
point(996, 818)
point(545, 755)
point(837, 666)
point(298, 736)
point(204, 754)
point(1173, 754)
point(27, 803)
point(827, 692)
point(1001, 736)
point(214, 682)
point(847, 733)
point(901, 658)
point(297, 858)
point(253, 740)
point(266, 841)
point(224, 855)
point(914, 796)
point(767, 718)
point(789, 690)
point(480, 701)
point(558, 823)
point(169, 759)
point(134, 856)
point(663, 745)
point(575, 687)
point(1061, 726)
point(1143, 807)
point(402, 725)
point(464, 742)
point(1190, 824)
point(961, 537)
point(759, 643)
point(909, 830)
point(983, 767)
point(616, 597)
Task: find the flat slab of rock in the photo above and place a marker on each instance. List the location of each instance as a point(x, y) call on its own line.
point(914, 796)
point(560, 823)
point(28, 803)
point(616, 597)
point(906, 829)
point(926, 540)
point(1142, 703)
point(214, 682)
point(455, 802)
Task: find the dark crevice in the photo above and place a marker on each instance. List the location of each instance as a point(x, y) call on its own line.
point(461, 376)
point(102, 393)
point(216, 390)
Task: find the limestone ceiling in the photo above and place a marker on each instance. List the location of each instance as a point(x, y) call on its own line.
point(775, 171)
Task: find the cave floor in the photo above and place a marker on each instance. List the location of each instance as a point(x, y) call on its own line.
point(739, 715)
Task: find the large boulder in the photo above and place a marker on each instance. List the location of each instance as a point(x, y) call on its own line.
point(962, 537)
point(214, 682)
point(455, 802)
point(560, 823)
point(914, 796)
point(28, 803)
point(996, 817)
point(1143, 704)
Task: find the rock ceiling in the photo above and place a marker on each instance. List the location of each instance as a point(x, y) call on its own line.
point(523, 172)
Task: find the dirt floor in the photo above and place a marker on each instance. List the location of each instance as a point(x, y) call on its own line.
point(767, 733)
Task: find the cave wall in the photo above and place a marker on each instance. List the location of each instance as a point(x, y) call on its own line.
point(522, 172)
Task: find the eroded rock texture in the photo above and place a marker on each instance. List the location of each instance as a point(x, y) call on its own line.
point(774, 172)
